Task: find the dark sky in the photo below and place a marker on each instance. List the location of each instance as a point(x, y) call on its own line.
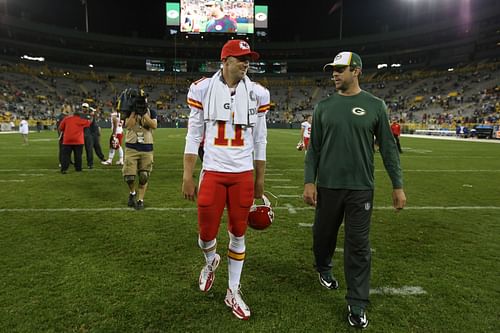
point(288, 20)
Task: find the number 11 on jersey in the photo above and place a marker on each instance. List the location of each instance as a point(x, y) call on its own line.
point(221, 140)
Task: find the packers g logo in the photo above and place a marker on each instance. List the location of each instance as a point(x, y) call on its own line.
point(358, 111)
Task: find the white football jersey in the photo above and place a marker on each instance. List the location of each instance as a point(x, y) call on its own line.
point(119, 127)
point(228, 147)
point(307, 129)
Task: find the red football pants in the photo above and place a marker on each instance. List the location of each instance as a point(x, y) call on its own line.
point(306, 143)
point(218, 190)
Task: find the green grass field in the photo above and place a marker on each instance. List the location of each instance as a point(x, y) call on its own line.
point(74, 258)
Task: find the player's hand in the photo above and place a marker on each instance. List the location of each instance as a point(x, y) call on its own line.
point(310, 194)
point(258, 190)
point(398, 199)
point(189, 189)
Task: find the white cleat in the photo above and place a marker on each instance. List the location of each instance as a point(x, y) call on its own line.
point(235, 302)
point(120, 162)
point(107, 162)
point(207, 274)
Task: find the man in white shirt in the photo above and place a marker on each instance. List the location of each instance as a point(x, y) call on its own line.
point(24, 130)
point(228, 112)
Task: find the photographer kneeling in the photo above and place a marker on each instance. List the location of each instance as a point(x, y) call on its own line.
point(140, 122)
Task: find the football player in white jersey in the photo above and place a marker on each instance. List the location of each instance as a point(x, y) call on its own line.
point(229, 111)
point(305, 131)
point(115, 142)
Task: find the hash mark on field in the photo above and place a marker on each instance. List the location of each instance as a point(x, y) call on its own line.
point(289, 196)
point(403, 291)
point(291, 209)
point(307, 225)
point(274, 174)
point(31, 174)
point(278, 180)
point(11, 180)
point(284, 186)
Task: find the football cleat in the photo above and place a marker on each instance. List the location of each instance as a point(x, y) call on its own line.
point(120, 162)
point(235, 302)
point(139, 205)
point(107, 162)
point(300, 146)
point(261, 216)
point(131, 200)
point(328, 281)
point(207, 274)
point(357, 316)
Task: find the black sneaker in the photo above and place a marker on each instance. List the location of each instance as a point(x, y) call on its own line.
point(131, 200)
point(357, 316)
point(328, 281)
point(139, 205)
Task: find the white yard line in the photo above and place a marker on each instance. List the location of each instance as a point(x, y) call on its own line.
point(11, 180)
point(117, 168)
point(279, 208)
point(341, 250)
point(285, 187)
point(403, 291)
point(408, 170)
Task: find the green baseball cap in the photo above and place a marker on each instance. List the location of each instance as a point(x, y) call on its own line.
point(345, 58)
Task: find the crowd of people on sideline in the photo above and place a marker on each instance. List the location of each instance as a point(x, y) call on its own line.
point(419, 99)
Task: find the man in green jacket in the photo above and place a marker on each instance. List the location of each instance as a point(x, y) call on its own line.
point(339, 179)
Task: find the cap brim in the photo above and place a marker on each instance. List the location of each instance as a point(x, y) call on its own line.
point(332, 65)
point(253, 55)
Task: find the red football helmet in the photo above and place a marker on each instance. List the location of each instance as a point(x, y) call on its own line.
point(261, 216)
point(114, 143)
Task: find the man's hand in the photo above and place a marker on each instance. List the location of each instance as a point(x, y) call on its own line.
point(310, 194)
point(258, 190)
point(258, 187)
point(188, 185)
point(188, 188)
point(398, 199)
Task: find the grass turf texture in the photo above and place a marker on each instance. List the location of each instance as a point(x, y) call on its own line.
point(107, 268)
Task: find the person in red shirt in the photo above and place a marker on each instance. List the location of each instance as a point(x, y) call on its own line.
point(72, 128)
point(396, 132)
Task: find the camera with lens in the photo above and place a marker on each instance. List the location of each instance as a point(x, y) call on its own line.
point(132, 100)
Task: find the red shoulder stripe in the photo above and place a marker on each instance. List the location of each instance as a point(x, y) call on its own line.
point(195, 104)
point(264, 108)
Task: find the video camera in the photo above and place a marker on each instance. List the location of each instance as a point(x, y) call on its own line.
point(132, 100)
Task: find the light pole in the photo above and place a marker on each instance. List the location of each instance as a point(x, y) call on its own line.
point(84, 2)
